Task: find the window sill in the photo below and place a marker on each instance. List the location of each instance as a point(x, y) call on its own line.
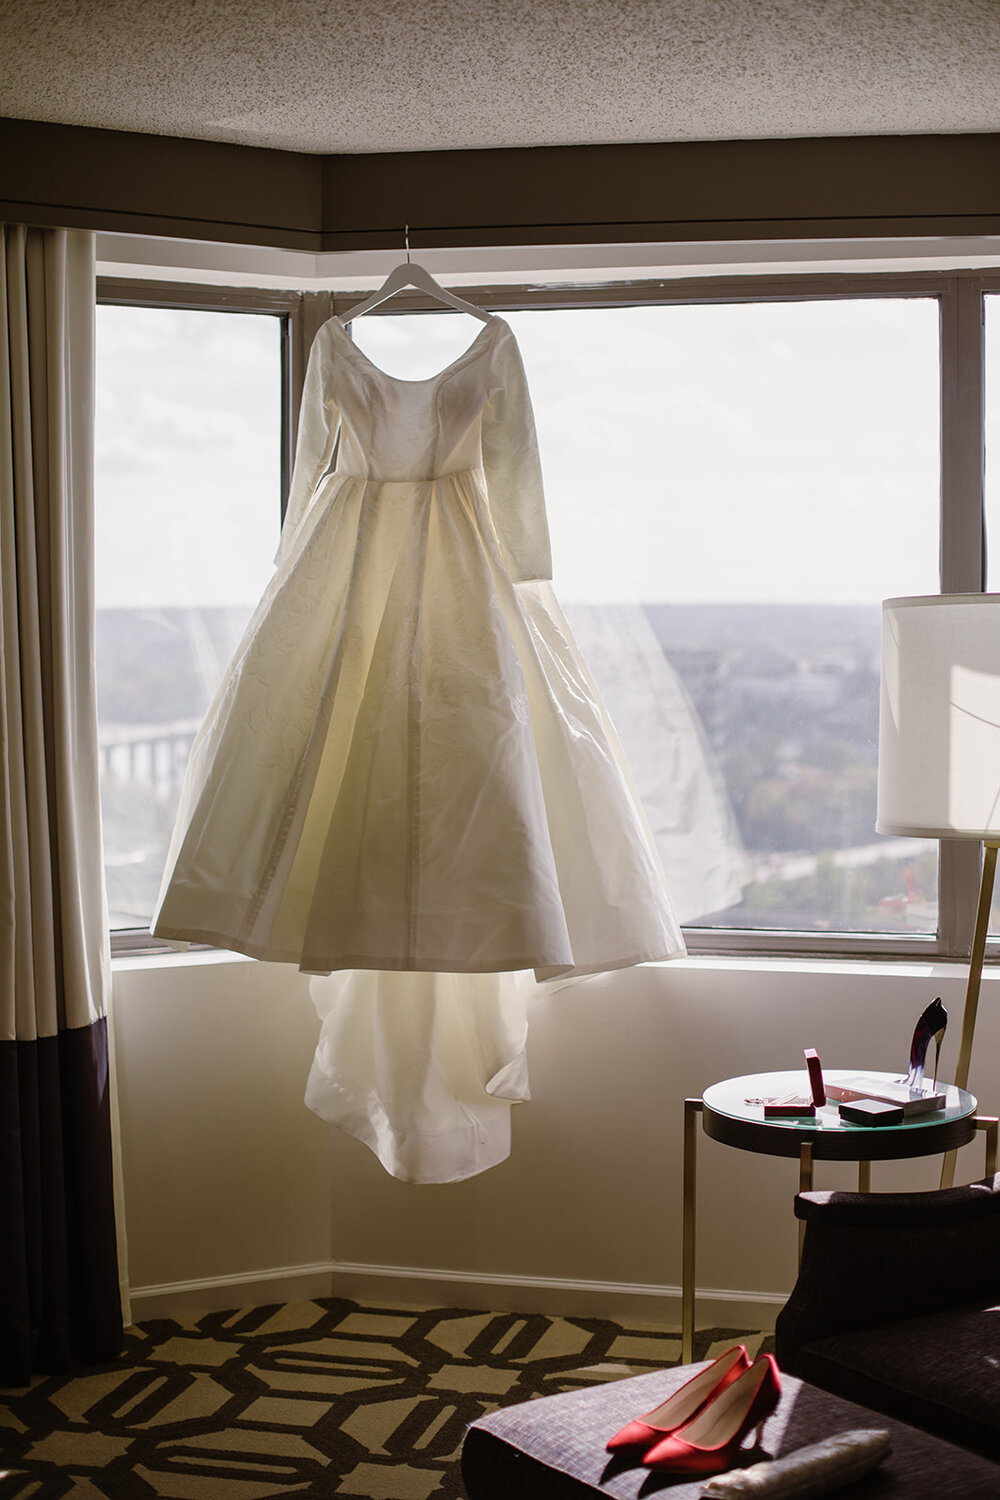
point(171, 958)
point(930, 969)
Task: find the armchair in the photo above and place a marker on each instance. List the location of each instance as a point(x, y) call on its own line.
point(897, 1307)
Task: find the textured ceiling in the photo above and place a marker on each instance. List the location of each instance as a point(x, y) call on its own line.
point(414, 75)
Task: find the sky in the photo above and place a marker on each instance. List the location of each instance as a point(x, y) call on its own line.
point(782, 452)
point(187, 456)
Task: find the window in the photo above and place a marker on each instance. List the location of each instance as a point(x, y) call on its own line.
point(732, 489)
point(736, 475)
point(188, 513)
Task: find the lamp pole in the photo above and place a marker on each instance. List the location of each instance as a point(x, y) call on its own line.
point(976, 958)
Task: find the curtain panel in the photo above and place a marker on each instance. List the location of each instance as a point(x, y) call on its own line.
point(59, 1291)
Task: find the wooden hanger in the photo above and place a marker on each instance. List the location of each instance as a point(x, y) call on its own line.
point(407, 273)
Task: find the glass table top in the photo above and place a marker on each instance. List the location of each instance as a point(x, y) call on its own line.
point(741, 1099)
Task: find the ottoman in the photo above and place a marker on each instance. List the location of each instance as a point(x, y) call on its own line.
point(553, 1448)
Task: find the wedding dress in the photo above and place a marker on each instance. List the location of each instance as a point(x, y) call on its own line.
point(407, 768)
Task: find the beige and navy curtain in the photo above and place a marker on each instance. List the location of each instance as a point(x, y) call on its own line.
point(59, 1290)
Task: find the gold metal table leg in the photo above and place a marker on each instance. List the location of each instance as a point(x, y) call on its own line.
point(805, 1185)
point(864, 1176)
point(988, 1125)
point(692, 1110)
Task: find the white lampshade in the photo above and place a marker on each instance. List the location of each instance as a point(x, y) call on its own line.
point(939, 729)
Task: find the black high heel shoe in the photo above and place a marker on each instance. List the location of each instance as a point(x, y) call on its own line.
point(933, 1022)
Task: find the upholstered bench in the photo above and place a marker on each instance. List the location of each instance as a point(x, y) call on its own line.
point(553, 1448)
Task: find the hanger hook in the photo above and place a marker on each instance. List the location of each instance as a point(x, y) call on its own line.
point(406, 241)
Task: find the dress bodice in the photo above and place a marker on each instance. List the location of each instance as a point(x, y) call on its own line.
point(397, 430)
point(356, 420)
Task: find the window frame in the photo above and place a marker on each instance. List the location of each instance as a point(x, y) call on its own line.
point(961, 311)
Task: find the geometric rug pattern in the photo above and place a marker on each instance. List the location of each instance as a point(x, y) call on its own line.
point(323, 1398)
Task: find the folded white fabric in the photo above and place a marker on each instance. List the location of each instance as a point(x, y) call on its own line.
point(815, 1470)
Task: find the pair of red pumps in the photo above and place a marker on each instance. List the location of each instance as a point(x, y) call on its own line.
point(700, 1428)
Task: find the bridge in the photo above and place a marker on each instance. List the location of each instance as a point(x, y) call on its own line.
point(152, 755)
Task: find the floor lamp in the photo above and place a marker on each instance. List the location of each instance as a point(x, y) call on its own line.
point(939, 748)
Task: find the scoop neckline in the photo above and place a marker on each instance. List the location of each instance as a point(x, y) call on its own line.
point(428, 379)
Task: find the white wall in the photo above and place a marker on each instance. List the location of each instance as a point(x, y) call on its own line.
point(236, 1194)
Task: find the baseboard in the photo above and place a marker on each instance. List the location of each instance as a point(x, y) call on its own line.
point(416, 1286)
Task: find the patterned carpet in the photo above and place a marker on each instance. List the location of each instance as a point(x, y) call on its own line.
point(325, 1398)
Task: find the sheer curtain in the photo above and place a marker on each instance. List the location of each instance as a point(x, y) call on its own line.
point(59, 1291)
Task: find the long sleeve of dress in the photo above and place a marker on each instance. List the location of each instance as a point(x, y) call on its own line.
point(319, 424)
point(513, 471)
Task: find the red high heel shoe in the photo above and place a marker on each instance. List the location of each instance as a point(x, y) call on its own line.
point(711, 1441)
point(679, 1408)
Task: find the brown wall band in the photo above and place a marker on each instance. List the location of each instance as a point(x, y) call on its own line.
point(845, 187)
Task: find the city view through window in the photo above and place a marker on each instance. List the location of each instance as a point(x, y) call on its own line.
point(187, 521)
point(732, 489)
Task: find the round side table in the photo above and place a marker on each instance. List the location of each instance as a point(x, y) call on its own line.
point(732, 1112)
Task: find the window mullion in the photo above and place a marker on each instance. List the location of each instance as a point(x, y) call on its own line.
point(963, 545)
point(963, 551)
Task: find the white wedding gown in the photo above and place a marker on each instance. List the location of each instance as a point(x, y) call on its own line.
point(407, 768)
